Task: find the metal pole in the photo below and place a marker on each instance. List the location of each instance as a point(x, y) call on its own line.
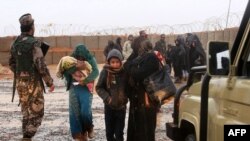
point(228, 12)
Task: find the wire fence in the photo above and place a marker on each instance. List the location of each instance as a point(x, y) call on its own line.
point(211, 24)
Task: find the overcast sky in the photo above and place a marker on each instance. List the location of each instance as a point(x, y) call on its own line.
point(122, 13)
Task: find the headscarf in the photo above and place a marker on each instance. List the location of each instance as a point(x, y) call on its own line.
point(146, 46)
point(193, 38)
point(141, 45)
point(82, 53)
point(180, 41)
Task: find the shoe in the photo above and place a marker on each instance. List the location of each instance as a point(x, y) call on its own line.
point(91, 133)
point(85, 136)
point(26, 139)
point(80, 137)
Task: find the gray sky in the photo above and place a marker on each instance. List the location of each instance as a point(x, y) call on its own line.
point(116, 13)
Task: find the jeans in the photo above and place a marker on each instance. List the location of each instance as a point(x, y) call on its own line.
point(114, 122)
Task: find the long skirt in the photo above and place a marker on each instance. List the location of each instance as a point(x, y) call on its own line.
point(80, 113)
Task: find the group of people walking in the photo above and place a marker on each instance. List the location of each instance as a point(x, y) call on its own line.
point(185, 54)
point(120, 81)
point(181, 57)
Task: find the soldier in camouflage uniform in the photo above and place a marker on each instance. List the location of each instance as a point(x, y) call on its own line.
point(28, 65)
point(161, 46)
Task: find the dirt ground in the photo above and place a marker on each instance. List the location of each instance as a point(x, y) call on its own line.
point(55, 125)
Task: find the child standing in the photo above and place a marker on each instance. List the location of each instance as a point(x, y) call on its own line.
point(111, 88)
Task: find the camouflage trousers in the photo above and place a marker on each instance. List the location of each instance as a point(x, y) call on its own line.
point(32, 105)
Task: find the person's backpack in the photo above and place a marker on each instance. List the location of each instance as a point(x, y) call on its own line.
point(23, 51)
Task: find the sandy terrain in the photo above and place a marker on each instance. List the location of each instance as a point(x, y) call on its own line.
point(55, 125)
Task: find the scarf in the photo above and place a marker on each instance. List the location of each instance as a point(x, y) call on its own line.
point(110, 76)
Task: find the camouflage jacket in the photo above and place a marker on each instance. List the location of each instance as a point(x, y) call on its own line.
point(38, 59)
point(161, 47)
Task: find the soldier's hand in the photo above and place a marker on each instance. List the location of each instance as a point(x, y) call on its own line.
point(51, 88)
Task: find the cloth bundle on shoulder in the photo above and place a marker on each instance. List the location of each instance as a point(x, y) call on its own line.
point(159, 85)
point(68, 63)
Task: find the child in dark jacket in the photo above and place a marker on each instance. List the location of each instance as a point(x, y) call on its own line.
point(111, 88)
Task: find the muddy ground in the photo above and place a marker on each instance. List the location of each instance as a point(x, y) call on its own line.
point(55, 125)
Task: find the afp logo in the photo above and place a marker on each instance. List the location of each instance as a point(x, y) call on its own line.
point(239, 132)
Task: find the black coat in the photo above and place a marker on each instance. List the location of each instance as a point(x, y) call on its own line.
point(116, 90)
point(178, 60)
point(142, 119)
point(196, 57)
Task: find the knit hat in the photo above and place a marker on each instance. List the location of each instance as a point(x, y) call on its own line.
point(115, 53)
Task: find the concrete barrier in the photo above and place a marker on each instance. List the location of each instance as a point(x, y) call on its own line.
point(226, 36)
point(69, 52)
point(219, 35)
point(49, 58)
point(211, 35)
point(4, 58)
point(92, 42)
point(103, 41)
point(75, 40)
point(63, 41)
point(57, 56)
point(198, 34)
point(40, 38)
point(5, 43)
point(204, 39)
point(98, 54)
point(171, 39)
point(96, 44)
point(50, 40)
point(233, 33)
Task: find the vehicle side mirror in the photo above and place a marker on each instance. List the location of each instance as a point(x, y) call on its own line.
point(218, 58)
